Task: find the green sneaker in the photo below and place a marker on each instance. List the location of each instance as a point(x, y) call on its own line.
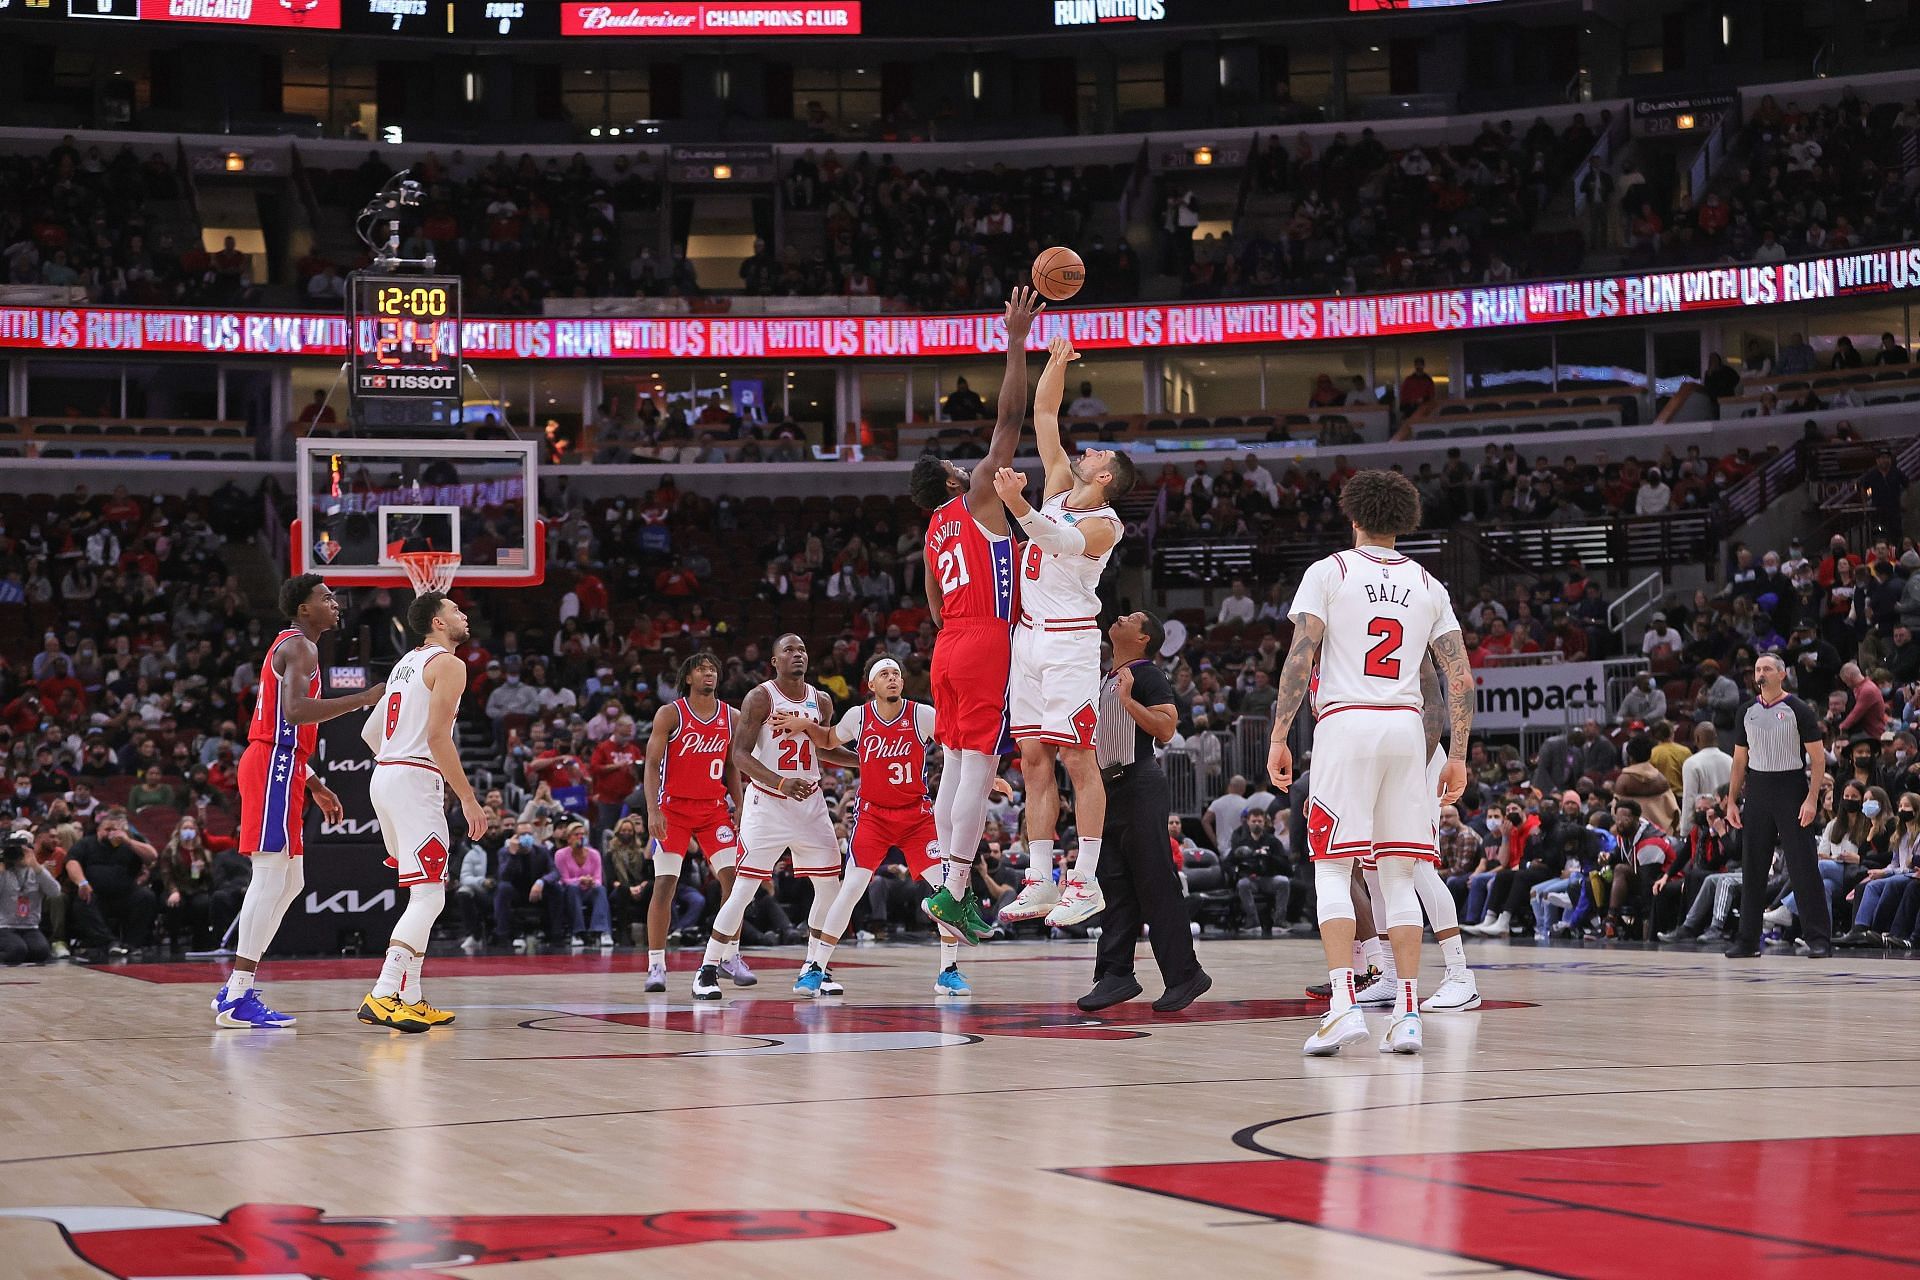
point(976, 923)
point(961, 916)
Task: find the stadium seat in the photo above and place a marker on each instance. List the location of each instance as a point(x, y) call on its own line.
point(1430, 433)
point(1463, 431)
point(1449, 410)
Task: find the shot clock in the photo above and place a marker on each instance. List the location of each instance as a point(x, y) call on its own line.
point(406, 337)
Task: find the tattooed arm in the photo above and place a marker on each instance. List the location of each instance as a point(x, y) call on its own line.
point(1296, 673)
point(1433, 705)
point(1450, 655)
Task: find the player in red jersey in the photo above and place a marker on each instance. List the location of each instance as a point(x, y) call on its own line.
point(890, 735)
point(970, 577)
point(275, 783)
point(689, 778)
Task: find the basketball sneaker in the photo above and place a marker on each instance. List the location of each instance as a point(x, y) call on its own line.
point(247, 1010)
point(1377, 994)
point(1361, 981)
point(809, 982)
point(951, 982)
point(1335, 1032)
point(389, 1012)
point(963, 917)
point(1403, 1034)
point(1081, 902)
point(735, 967)
point(656, 977)
point(1457, 993)
point(706, 983)
point(828, 987)
point(1037, 898)
point(431, 1016)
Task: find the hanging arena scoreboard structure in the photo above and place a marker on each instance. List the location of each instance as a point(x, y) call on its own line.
point(404, 350)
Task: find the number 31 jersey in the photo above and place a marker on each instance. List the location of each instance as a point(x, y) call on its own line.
point(893, 753)
point(973, 567)
point(1381, 611)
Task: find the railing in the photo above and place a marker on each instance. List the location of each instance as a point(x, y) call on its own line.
point(1598, 158)
point(1671, 538)
point(1637, 599)
point(1845, 494)
point(1754, 493)
point(1203, 562)
point(1712, 152)
point(1140, 180)
point(1621, 675)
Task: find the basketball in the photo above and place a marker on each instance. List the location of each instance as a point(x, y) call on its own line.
point(1058, 273)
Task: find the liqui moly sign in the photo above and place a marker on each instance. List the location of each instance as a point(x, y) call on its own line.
point(635, 18)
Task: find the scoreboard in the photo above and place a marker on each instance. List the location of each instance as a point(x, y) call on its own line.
point(404, 347)
point(471, 19)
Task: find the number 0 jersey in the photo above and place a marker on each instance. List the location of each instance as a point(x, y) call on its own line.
point(694, 766)
point(1381, 611)
point(973, 567)
point(893, 753)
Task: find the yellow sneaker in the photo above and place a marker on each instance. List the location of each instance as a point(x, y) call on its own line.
point(388, 1011)
point(432, 1016)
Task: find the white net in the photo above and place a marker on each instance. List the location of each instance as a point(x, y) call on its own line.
point(430, 570)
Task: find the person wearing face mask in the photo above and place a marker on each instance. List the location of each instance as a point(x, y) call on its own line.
point(1815, 663)
point(474, 891)
point(524, 876)
point(186, 886)
point(1845, 843)
point(1881, 894)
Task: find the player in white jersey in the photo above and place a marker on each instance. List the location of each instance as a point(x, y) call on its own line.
point(415, 762)
point(784, 810)
point(1054, 686)
point(1368, 616)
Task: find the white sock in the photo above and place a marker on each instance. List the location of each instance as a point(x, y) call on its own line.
point(1455, 954)
point(1409, 1001)
point(656, 958)
point(959, 877)
point(813, 948)
point(239, 982)
point(823, 952)
point(949, 952)
point(716, 951)
point(1359, 956)
point(731, 950)
point(1040, 860)
point(410, 989)
point(392, 973)
point(1377, 955)
point(1086, 858)
point(1341, 981)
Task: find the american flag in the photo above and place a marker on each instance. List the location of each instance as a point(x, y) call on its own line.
point(511, 557)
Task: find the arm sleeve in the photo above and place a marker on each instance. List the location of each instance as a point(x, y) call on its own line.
point(848, 727)
point(1312, 597)
point(922, 720)
point(1053, 535)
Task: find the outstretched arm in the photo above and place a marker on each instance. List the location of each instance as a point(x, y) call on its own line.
point(1046, 416)
point(295, 663)
point(1450, 655)
point(1021, 309)
point(1089, 537)
point(832, 754)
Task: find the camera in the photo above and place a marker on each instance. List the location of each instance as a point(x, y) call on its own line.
point(13, 848)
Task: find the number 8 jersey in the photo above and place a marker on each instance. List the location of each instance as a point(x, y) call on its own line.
point(1381, 611)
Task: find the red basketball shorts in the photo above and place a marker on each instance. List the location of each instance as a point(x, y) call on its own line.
point(970, 663)
point(910, 830)
point(273, 799)
point(707, 821)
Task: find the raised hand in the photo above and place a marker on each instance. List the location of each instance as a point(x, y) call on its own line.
point(1009, 484)
point(1060, 351)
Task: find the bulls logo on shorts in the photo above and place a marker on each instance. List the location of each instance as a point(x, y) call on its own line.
point(1321, 822)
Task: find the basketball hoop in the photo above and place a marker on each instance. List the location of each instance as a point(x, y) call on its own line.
point(429, 570)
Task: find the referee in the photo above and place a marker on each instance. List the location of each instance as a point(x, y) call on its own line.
point(1136, 871)
point(1779, 766)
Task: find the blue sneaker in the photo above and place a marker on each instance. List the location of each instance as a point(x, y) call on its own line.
point(808, 983)
point(951, 982)
point(247, 1010)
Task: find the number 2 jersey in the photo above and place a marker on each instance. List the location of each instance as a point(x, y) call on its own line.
point(1381, 612)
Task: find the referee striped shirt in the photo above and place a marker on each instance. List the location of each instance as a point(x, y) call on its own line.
point(1775, 734)
point(1117, 739)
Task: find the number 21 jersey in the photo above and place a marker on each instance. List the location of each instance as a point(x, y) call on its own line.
point(973, 567)
point(1381, 611)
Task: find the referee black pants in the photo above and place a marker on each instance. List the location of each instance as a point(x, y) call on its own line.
point(1770, 815)
point(1138, 880)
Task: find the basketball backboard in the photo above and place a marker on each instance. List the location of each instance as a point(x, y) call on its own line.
point(363, 501)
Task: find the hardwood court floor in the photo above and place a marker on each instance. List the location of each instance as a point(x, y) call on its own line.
point(1613, 1112)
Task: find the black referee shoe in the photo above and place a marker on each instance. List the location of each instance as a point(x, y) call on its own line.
point(1180, 995)
point(1115, 988)
point(1743, 951)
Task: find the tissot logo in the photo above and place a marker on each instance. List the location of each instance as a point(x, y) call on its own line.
point(1085, 13)
point(348, 902)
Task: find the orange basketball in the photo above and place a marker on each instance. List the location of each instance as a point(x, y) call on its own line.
point(1058, 273)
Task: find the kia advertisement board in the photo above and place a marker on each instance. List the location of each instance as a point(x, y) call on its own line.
point(638, 18)
point(1641, 296)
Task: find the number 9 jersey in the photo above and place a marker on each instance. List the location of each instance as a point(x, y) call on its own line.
point(973, 652)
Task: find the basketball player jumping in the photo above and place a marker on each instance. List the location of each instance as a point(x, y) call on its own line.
point(689, 778)
point(890, 735)
point(970, 577)
point(415, 762)
point(1368, 616)
point(275, 783)
point(784, 810)
point(1055, 680)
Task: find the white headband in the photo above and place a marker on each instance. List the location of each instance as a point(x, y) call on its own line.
point(882, 665)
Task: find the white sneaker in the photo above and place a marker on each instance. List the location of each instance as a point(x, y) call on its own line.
point(470, 944)
point(1781, 916)
point(1457, 994)
point(1403, 1034)
point(1492, 928)
point(1082, 901)
point(60, 951)
point(1335, 1032)
point(1037, 897)
point(1380, 993)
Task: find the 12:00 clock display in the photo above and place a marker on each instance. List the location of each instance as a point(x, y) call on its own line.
point(406, 336)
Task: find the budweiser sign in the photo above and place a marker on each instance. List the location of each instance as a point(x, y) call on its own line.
point(633, 18)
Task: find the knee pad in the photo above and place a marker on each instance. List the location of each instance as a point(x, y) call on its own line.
point(414, 929)
point(1333, 889)
point(1435, 896)
point(1402, 901)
